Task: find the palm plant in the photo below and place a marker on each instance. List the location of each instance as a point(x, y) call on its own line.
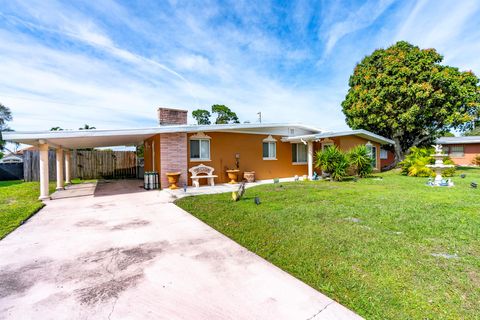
point(332, 161)
point(415, 163)
point(361, 160)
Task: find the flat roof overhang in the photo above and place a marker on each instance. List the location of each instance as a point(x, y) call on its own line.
point(82, 138)
point(79, 139)
point(360, 133)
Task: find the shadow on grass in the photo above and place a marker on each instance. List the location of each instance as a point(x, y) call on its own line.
point(10, 183)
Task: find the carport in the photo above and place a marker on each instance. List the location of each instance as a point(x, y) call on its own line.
point(65, 141)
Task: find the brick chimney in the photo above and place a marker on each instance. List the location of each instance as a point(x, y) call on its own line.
point(167, 116)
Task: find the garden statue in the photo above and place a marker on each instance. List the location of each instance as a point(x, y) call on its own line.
point(439, 167)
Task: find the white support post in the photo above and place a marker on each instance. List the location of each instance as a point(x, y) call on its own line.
point(310, 159)
point(68, 179)
point(43, 150)
point(59, 161)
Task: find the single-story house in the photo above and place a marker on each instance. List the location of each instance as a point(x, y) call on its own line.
point(12, 158)
point(271, 150)
point(462, 150)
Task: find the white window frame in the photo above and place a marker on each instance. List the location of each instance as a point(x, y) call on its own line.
point(383, 154)
point(272, 148)
point(456, 154)
point(327, 144)
point(373, 155)
point(200, 158)
point(306, 153)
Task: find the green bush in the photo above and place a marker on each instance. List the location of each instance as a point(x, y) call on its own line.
point(360, 161)
point(415, 163)
point(333, 161)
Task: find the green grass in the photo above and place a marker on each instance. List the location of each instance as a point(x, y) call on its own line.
point(80, 181)
point(382, 265)
point(18, 202)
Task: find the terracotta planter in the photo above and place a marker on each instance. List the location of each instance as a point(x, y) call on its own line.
point(173, 179)
point(233, 175)
point(249, 176)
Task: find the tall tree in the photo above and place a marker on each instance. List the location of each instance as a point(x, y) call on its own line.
point(473, 132)
point(5, 116)
point(224, 114)
point(202, 116)
point(405, 94)
point(86, 127)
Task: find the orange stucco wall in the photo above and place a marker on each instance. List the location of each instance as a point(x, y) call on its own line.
point(148, 144)
point(224, 146)
point(470, 150)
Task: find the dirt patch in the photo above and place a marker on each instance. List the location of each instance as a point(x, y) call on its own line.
point(135, 223)
point(95, 276)
point(139, 254)
point(17, 281)
point(106, 290)
point(89, 223)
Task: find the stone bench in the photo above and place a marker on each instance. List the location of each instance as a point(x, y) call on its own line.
point(202, 172)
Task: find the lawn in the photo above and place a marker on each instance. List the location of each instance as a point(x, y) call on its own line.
point(18, 202)
point(387, 247)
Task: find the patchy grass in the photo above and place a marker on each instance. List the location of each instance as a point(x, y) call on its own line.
point(18, 202)
point(80, 181)
point(387, 247)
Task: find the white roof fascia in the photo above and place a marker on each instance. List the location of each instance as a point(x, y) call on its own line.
point(458, 140)
point(363, 133)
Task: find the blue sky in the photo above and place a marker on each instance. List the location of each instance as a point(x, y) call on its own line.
point(111, 64)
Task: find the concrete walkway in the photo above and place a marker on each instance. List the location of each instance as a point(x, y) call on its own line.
point(116, 251)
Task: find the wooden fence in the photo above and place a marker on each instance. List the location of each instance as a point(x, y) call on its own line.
point(94, 164)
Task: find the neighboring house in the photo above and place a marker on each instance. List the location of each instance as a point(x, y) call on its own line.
point(387, 157)
point(271, 150)
point(462, 150)
point(12, 158)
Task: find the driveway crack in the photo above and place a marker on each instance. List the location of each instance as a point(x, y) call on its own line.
point(112, 273)
point(321, 310)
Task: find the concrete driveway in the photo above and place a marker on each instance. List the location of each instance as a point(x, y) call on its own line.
point(119, 252)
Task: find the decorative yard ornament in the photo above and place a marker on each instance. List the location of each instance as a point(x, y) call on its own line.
point(237, 195)
point(438, 167)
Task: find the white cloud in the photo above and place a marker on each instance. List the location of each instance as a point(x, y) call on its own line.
point(357, 19)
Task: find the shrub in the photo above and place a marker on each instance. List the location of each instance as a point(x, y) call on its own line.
point(333, 161)
point(476, 160)
point(360, 161)
point(415, 163)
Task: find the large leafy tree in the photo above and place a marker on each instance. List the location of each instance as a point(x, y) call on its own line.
point(473, 132)
point(405, 94)
point(224, 114)
point(5, 116)
point(202, 116)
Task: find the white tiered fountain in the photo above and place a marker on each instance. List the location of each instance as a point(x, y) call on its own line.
point(439, 166)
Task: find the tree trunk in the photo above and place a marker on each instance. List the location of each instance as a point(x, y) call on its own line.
point(399, 155)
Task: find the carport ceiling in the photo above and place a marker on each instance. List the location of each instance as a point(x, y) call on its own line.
point(83, 138)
